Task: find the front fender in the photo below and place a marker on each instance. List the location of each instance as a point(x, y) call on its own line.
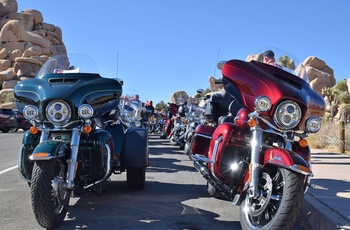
point(50, 149)
point(287, 159)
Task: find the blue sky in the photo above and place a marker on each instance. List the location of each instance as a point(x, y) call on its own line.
point(158, 47)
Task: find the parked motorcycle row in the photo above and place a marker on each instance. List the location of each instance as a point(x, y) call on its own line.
point(248, 140)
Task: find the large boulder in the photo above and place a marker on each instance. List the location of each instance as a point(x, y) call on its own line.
point(8, 6)
point(320, 74)
point(27, 41)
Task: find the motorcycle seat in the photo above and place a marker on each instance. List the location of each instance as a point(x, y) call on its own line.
point(223, 119)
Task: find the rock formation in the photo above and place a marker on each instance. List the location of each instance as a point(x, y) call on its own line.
point(320, 74)
point(26, 44)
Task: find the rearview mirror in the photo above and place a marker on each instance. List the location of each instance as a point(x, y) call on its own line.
point(221, 64)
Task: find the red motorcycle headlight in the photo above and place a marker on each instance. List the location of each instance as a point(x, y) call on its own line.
point(287, 115)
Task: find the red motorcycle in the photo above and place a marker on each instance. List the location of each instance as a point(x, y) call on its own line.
point(257, 155)
point(169, 121)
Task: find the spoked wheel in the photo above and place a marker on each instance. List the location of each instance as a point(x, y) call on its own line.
point(49, 197)
point(172, 140)
point(188, 145)
point(279, 201)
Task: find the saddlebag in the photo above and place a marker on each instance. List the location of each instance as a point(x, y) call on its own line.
point(135, 148)
point(202, 137)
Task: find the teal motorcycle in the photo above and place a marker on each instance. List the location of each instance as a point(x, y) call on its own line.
point(75, 142)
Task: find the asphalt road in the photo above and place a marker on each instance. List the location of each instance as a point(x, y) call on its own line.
point(175, 196)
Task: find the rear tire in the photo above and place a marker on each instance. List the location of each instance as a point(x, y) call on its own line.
point(136, 178)
point(50, 205)
point(5, 130)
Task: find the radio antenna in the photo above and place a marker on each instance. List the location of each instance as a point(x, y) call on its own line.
point(117, 63)
point(217, 59)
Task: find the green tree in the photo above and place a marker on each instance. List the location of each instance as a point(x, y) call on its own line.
point(160, 105)
point(286, 62)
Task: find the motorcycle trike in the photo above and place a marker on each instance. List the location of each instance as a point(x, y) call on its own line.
point(74, 143)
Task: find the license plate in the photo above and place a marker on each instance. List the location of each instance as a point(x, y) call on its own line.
point(60, 136)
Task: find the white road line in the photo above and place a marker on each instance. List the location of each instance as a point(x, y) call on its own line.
point(9, 169)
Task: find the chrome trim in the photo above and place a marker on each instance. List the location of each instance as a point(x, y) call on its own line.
point(44, 135)
point(202, 158)
point(213, 157)
point(73, 160)
point(256, 144)
point(202, 135)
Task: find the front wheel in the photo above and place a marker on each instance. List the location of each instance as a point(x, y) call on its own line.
point(278, 204)
point(135, 178)
point(49, 197)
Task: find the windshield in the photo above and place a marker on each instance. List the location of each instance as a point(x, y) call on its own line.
point(69, 63)
point(280, 59)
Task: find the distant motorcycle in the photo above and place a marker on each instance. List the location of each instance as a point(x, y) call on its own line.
point(177, 134)
point(169, 121)
point(155, 124)
point(258, 157)
point(195, 117)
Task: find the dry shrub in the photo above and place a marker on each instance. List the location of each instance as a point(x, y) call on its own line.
point(329, 136)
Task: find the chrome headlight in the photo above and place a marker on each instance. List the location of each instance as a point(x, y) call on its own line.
point(85, 111)
point(30, 112)
point(263, 104)
point(58, 112)
point(287, 115)
point(313, 124)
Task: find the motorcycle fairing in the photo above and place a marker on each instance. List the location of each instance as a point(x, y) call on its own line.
point(91, 89)
point(255, 79)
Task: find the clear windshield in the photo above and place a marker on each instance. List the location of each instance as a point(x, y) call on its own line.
point(280, 59)
point(69, 63)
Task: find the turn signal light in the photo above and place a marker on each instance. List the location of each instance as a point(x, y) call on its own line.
point(303, 168)
point(87, 129)
point(252, 122)
point(303, 142)
point(40, 155)
point(33, 130)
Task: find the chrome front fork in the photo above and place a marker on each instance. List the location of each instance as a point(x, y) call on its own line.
point(256, 144)
point(72, 162)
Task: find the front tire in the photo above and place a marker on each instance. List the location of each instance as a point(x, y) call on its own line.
point(49, 198)
point(279, 203)
point(136, 178)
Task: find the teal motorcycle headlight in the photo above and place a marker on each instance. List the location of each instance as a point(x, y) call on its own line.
point(85, 111)
point(58, 112)
point(30, 112)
